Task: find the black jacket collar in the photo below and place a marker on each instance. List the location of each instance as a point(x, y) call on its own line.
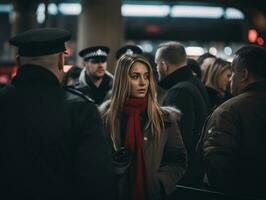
point(256, 86)
point(104, 84)
point(34, 74)
point(182, 74)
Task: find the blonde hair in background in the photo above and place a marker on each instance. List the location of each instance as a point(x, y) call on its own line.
point(121, 91)
point(214, 71)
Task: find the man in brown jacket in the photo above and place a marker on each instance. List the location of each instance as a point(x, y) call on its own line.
point(234, 144)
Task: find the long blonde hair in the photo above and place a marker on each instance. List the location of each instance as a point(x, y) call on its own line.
point(121, 91)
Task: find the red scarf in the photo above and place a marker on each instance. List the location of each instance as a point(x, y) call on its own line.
point(133, 107)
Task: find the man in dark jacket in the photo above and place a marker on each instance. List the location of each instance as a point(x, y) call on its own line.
point(183, 90)
point(234, 147)
point(52, 144)
point(94, 80)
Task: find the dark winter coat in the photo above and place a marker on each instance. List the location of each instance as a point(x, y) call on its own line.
point(234, 145)
point(52, 144)
point(165, 161)
point(216, 98)
point(183, 93)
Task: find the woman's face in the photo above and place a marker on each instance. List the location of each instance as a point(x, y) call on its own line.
point(139, 80)
point(223, 80)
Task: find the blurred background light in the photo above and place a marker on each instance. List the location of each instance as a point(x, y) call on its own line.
point(67, 68)
point(233, 13)
point(52, 9)
point(145, 10)
point(194, 51)
point(70, 8)
point(40, 13)
point(5, 8)
point(228, 51)
point(147, 47)
point(213, 51)
point(252, 35)
point(197, 12)
point(260, 41)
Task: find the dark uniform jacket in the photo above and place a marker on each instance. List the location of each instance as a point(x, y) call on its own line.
point(235, 143)
point(52, 144)
point(97, 94)
point(166, 160)
point(183, 93)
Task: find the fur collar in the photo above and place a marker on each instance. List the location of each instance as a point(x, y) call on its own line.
point(170, 113)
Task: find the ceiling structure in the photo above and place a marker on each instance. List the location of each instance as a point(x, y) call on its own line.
point(259, 5)
point(187, 28)
point(198, 29)
point(155, 29)
point(249, 5)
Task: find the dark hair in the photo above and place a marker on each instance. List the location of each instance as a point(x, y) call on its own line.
point(173, 52)
point(194, 66)
point(74, 73)
point(252, 58)
point(203, 57)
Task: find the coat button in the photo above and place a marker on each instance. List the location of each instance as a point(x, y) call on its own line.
point(145, 138)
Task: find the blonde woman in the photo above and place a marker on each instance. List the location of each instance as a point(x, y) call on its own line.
point(217, 81)
point(134, 120)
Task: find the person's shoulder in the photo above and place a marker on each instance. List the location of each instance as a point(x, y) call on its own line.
point(109, 75)
point(84, 89)
point(104, 107)
point(230, 107)
point(6, 88)
point(76, 95)
point(184, 84)
point(183, 91)
point(185, 87)
point(171, 113)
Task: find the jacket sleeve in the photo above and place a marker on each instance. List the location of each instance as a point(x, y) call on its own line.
point(174, 161)
point(94, 178)
point(183, 101)
point(220, 149)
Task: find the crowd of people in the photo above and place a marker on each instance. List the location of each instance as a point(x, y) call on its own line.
point(134, 135)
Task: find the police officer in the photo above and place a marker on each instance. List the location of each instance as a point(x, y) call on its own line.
point(52, 144)
point(129, 50)
point(94, 80)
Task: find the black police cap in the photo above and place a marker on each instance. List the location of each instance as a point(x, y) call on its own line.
point(40, 42)
point(128, 49)
point(95, 52)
